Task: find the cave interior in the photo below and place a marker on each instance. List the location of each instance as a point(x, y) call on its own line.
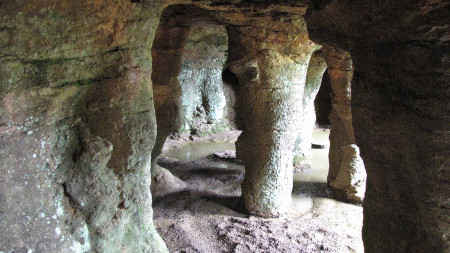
point(92, 92)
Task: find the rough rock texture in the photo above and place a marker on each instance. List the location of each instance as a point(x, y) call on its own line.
point(209, 217)
point(167, 53)
point(340, 71)
point(302, 149)
point(226, 154)
point(76, 127)
point(164, 183)
point(189, 53)
point(272, 79)
point(203, 94)
point(400, 107)
point(282, 49)
point(75, 75)
point(351, 178)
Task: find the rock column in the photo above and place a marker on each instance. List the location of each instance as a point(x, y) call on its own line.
point(340, 71)
point(302, 150)
point(271, 87)
point(167, 53)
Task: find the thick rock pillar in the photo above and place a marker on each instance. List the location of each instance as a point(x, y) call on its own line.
point(302, 150)
point(271, 85)
point(203, 97)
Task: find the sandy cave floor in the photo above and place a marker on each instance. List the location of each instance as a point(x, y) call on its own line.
point(208, 215)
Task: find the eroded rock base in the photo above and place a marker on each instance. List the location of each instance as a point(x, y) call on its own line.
point(209, 216)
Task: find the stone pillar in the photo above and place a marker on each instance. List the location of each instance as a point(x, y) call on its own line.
point(271, 86)
point(340, 71)
point(167, 52)
point(351, 178)
point(77, 126)
point(302, 150)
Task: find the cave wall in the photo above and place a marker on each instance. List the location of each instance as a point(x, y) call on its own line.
point(204, 97)
point(77, 126)
point(77, 122)
point(400, 115)
point(167, 53)
point(346, 173)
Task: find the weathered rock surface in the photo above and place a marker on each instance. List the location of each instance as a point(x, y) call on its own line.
point(227, 154)
point(76, 77)
point(76, 127)
point(400, 115)
point(302, 149)
point(167, 52)
point(351, 178)
point(203, 94)
point(272, 80)
point(164, 183)
point(340, 72)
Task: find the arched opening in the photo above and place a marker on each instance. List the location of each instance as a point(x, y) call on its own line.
point(195, 184)
point(322, 102)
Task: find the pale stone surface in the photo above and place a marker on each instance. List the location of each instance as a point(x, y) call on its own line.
point(163, 183)
point(203, 95)
point(302, 149)
point(70, 65)
point(351, 178)
point(77, 126)
point(340, 71)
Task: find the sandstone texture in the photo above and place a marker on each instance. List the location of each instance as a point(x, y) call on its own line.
point(400, 114)
point(77, 127)
point(90, 90)
point(340, 72)
point(273, 84)
point(164, 183)
point(208, 216)
point(203, 94)
point(351, 178)
point(302, 149)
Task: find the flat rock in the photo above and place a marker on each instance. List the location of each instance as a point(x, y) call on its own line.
point(226, 154)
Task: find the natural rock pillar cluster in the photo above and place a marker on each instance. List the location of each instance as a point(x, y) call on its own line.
point(272, 84)
point(340, 71)
point(302, 149)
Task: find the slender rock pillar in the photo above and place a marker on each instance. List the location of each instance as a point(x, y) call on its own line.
point(342, 135)
point(167, 55)
point(302, 150)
